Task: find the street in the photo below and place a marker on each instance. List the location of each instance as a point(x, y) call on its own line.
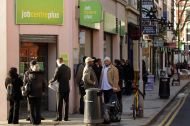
point(177, 113)
point(182, 118)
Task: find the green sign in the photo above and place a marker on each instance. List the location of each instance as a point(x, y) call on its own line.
point(122, 28)
point(90, 11)
point(110, 23)
point(39, 12)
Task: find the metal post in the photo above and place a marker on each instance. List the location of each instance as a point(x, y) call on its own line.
point(141, 84)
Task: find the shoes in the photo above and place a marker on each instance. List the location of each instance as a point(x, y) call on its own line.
point(57, 119)
point(66, 119)
point(28, 118)
point(42, 118)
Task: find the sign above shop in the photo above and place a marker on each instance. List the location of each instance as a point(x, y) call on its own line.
point(146, 6)
point(149, 30)
point(170, 45)
point(39, 12)
point(110, 24)
point(90, 11)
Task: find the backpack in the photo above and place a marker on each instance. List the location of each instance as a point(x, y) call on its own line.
point(26, 89)
point(115, 112)
point(10, 91)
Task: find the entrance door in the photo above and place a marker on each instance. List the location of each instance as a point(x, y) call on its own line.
point(39, 52)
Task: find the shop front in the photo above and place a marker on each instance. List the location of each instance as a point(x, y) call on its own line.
point(43, 33)
point(35, 47)
point(90, 18)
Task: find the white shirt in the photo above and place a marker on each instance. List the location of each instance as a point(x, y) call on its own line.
point(105, 83)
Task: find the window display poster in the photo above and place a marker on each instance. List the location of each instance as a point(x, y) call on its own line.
point(41, 64)
point(21, 68)
point(65, 57)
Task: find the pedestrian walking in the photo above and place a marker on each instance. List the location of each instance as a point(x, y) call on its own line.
point(109, 80)
point(80, 83)
point(35, 78)
point(89, 76)
point(13, 84)
point(62, 76)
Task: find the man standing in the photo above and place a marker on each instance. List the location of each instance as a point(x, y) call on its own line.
point(62, 76)
point(129, 77)
point(80, 83)
point(109, 80)
point(89, 77)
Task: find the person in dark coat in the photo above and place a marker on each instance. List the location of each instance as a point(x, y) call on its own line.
point(120, 68)
point(129, 77)
point(97, 67)
point(37, 83)
point(62, 76)
point(14, 101)
point(80, 83)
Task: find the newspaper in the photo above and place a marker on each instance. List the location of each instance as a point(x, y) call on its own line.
point(54, 86)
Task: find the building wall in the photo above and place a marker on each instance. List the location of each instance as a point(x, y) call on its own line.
point(3, 55)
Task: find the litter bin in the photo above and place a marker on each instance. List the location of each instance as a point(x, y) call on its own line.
point(164, 87)
point(93, 106)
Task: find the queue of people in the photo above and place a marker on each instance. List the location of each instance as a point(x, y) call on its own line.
point(110, 78)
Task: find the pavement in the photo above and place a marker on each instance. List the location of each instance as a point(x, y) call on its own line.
point(153, 105)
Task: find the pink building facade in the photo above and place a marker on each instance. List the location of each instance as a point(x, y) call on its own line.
point(71, 40)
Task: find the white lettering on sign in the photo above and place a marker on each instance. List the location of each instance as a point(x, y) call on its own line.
point(87, 8)
point(48, 15)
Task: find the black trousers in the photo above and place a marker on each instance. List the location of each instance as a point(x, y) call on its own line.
point(60, 97)
point(82, 94)
point(35, 110)
point(107, 95)
point(13, 117)
point(119, 96)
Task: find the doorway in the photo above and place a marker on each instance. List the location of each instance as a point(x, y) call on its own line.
point(43, 49)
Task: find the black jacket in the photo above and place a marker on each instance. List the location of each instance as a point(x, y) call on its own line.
point(17, 84)
point(38, 82)
point(62, 76)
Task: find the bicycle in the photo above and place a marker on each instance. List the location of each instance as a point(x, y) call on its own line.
point(137, 110)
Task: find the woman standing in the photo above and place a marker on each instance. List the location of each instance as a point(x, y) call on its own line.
point(37, 82)
point(14, 96)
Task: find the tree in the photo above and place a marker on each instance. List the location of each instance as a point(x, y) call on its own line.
point(180, 22)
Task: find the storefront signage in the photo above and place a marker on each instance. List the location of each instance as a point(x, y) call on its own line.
point(110, 24)
point(122, 28)
point(134, 31)
point(170, 45)
point(39, 12)
point(149, 30)
point(158, 43)
point(90, 11)
point(146, 6)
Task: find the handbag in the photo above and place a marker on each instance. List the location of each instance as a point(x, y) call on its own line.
point(26, 89)
point(10, 91)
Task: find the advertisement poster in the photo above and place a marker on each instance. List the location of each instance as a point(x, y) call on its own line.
point(65, 57)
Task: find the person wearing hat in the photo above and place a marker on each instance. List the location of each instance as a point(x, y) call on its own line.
point(109, 80)
point(37, 83)
point(89, 77)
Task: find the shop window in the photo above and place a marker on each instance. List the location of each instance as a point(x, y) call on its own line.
point(85, 42)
